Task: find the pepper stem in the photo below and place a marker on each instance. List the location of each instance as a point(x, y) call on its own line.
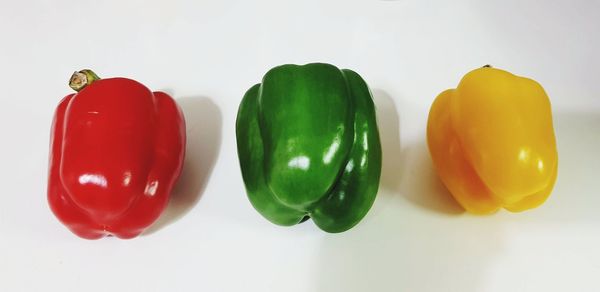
point(80, 79)
point(487, 66)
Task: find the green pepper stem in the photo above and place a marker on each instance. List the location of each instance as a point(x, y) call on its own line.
point(80, 79)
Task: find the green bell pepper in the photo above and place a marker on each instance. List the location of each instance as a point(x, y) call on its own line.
point(309, 146)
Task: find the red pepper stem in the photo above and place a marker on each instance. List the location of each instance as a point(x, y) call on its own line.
point(80, 79)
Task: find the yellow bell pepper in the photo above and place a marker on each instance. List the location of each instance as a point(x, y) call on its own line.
point(492, 141)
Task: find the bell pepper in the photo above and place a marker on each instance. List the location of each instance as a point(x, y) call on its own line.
point(492, 141)
point(309, 146)
point(117, 149)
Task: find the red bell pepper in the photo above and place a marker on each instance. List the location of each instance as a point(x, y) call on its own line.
point(117, 150)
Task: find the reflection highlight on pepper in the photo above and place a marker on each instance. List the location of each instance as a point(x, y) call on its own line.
point(331, 151)
point(93, 179)
point(127, 178)
point(151, 188)
point(299, 162)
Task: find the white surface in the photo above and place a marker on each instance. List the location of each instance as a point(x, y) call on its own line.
point(208, 53)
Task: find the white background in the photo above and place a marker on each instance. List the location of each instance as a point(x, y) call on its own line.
point(207, 54)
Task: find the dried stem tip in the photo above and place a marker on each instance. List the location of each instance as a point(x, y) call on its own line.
point(80, 79)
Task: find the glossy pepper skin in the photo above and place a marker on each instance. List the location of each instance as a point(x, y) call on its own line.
point(492, 141)
point(309, 146)
point(117, 149)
